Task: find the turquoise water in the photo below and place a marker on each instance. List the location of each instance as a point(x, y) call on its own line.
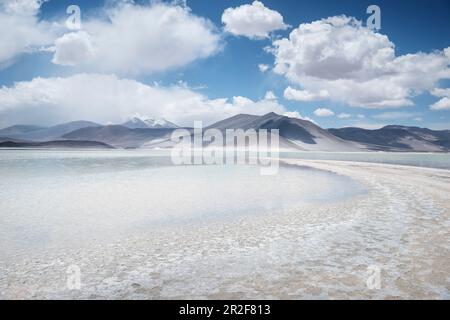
point(430, 160)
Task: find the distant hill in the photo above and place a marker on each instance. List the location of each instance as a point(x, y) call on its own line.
point(6, 139)
point(120, 136)
point(56, 144)
point(45, 134)
point(18, 130)
point(398, 138)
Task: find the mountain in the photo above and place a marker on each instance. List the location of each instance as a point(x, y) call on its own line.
point(18, 129)
point(438, 137)
point(47, 134)
point(294, 133)
point(3, 139)
point(120, 136)
point(239, 121)
point(148, 123)
point(397, 138)
point(55, 144)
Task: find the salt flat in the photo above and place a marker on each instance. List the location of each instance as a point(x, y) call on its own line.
point(321, 250)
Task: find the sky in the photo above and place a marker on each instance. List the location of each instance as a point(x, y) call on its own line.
point(207, 60)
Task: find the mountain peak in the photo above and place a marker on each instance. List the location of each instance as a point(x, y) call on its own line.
point(146, 122)
point(272, 114)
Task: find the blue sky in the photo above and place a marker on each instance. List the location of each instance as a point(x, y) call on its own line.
point(231, 69)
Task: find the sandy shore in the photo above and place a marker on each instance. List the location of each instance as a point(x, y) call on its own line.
point(400, 227)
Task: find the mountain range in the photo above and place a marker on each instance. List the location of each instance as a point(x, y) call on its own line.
point(42, 134)
point(295, 134)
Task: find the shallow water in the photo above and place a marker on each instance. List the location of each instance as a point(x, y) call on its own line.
point(139, 228)
point(58, 199)
point(430, 160)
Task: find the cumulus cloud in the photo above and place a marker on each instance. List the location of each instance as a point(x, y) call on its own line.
point(441, 92)
point(324, 112)
point(356, 65)
point(296, 114)
point(254, 21)
point(108, 98)
point(344, 115)
point(73, 48)
point(263, 67)
point(444, 103)
point(22, 7)
point(304, 95)
point(270, 96)
point(136, 39)
point(20, 30)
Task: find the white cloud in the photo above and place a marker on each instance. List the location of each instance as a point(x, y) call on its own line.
point(344, 115)
point(108, 98)
point(20, 30)
point(443, 104)
point(138, 39)
point(270, 96)
point(254, 21)
point(324, 112)
point(296, 114)
point(304, 95)
point(263, 67)
point(356, 65)
point(21, 7)
point(73, 48)
point(441, 92)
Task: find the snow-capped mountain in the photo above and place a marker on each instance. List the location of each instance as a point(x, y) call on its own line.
point(139, 122)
